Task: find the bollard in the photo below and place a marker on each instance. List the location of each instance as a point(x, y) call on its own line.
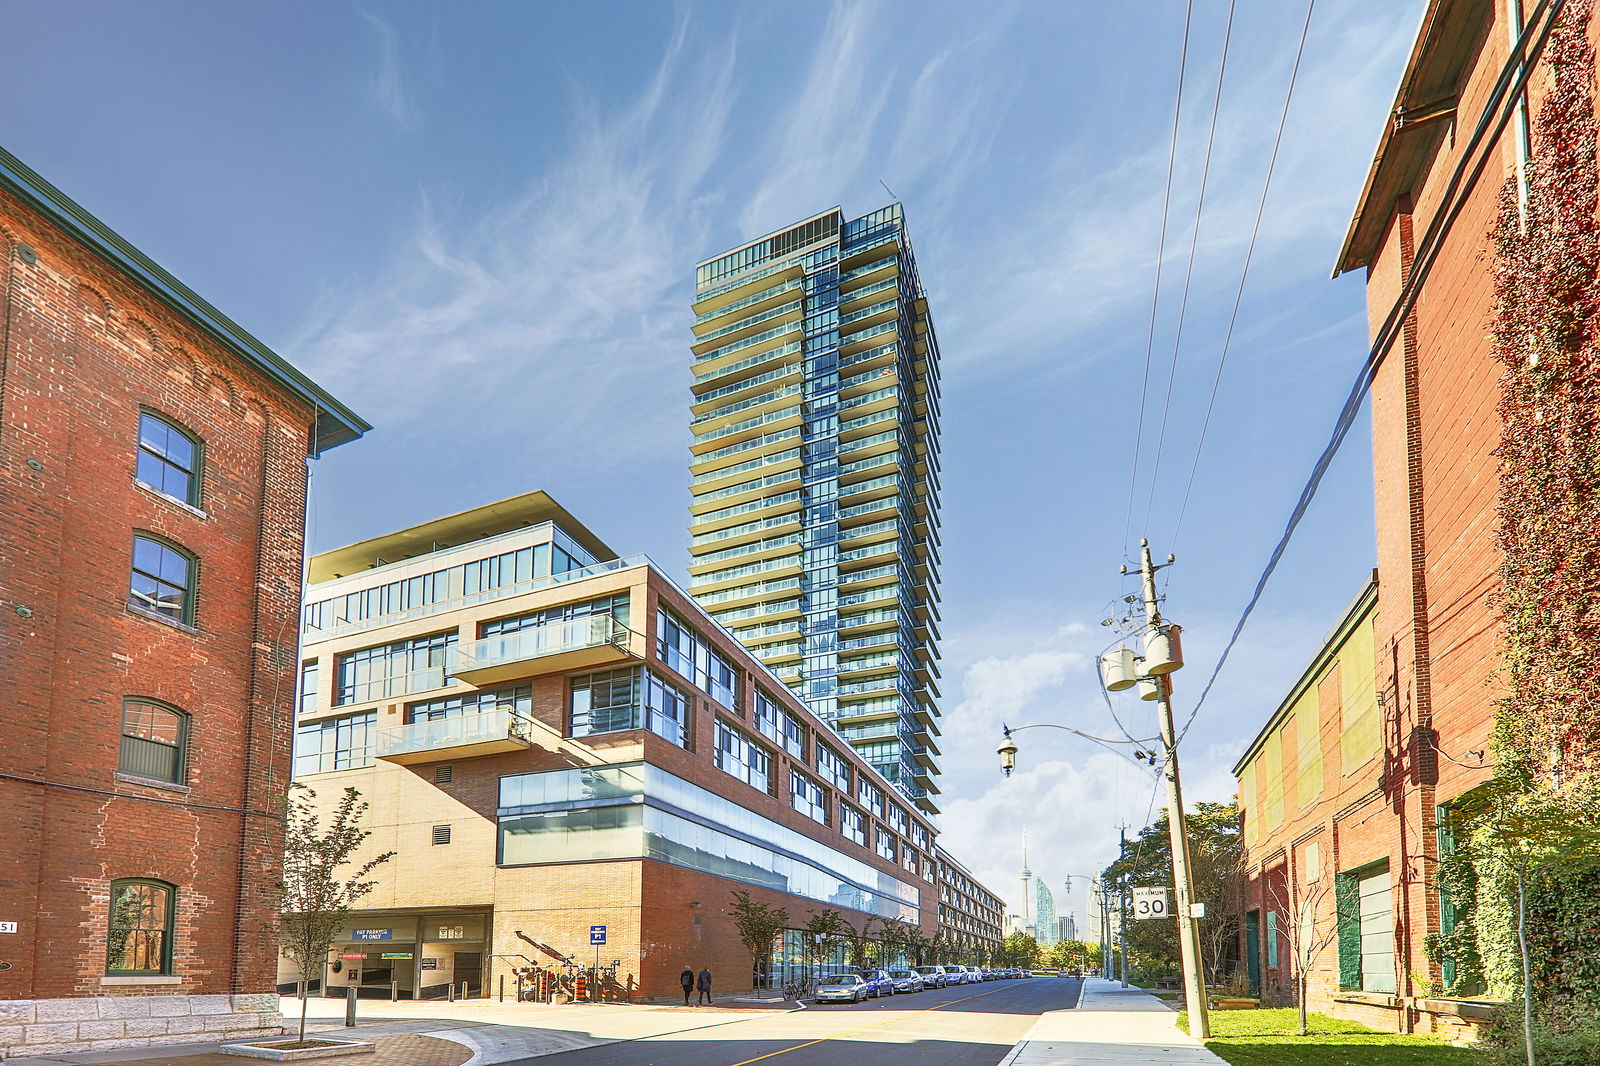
point(450, 993)
point(464, 990)
point(519, 988)
point(502, 988)
point(350, 1005)
point(394, 991)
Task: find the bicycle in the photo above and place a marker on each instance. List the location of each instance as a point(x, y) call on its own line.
point(798, 990)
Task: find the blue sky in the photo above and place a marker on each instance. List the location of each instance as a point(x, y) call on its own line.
point(477, 224)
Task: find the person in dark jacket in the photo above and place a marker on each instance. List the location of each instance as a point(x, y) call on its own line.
point(686, 979)
point(704, 985)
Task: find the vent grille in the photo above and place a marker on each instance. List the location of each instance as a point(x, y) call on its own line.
point(443, 775)
point(441, 834)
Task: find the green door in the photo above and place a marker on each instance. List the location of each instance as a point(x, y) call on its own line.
point(1252, 950)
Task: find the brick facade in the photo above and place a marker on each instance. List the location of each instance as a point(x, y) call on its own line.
point(1435, 431)
point(84, 349)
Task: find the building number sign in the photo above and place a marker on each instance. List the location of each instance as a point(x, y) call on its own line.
point(1151, 903)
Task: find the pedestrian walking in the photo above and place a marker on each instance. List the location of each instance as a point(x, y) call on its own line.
point(704, 985)
point(686, 979)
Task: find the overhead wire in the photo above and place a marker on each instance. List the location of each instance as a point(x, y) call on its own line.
point(1188, 270)
point(1503, 98)
point(1155, 297)
point(1244, 274)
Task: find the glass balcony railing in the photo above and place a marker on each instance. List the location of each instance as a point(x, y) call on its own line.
point(458, 736)
point(752, 320)
point(765, 294)
point(541, 649)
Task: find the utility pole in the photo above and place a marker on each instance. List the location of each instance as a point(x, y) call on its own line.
point(1188, 926)
point(1122, 904)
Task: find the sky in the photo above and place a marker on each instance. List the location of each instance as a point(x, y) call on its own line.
point(476, 224)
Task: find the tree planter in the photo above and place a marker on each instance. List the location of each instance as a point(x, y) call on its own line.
point(285, 1051)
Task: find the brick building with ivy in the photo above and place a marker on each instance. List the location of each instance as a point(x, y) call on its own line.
point(152, 506)
point(1480, 480)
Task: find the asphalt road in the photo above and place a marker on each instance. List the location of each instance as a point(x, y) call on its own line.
point(968, 1025)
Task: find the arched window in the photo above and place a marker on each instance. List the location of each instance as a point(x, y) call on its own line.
point(139, 929)
point(169, 459)
point(154, 740)
point(163, 579)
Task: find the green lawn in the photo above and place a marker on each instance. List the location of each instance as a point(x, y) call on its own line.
point(1269, 1038)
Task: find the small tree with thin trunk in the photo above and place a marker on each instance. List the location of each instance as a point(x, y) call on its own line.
point(1305, 937)
point(825, 929)
point(759, 925)
point(314, 898)
point(860, 941)
point(896, 938)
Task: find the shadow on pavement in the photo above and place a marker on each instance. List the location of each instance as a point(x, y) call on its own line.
point(843, 1051)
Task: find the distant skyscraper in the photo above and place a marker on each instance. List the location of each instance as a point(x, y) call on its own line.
point(814, 474)
point(1044, 919)
point(1067, 926)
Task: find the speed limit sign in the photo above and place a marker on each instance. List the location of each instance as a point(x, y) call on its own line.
point(1151, 903)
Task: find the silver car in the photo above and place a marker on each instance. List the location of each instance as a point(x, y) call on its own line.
point(906, 981)
point(934, 976)
point(840, 987)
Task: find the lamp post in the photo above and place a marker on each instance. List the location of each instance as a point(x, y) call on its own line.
point(1098, 887)
point(1151, 673)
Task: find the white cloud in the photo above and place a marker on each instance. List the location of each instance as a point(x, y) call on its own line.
point(564, 303)
point(387, 90)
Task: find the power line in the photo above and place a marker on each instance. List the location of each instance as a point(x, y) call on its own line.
point(1155, 298)
point(1514, 77)
point(1188, 270)
point(1244, 273)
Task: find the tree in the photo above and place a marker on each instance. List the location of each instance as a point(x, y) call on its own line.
point(759, 925)
point(1069, 954)
point(312, 902)
point(1303, 931)
point(1216, 866)
point(824, 930)
point(860, 941)
point(896, 938)
point(1020, 949)
point(918, 945)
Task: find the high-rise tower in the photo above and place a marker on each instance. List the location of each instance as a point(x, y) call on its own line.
point(814, 471)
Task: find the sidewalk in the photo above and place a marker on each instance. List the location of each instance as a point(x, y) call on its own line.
point(434, 1033)
point(1111, 1026)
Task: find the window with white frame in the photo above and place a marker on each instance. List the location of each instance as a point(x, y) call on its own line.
point(794, 735)
point(688, 653)
point(919, 835)
point(764, 709)
point(833, 768)
point(885, 841)
point(870, 795)
point(808, 797)
point(741, 757)
point(853, 824)
point(899, 821)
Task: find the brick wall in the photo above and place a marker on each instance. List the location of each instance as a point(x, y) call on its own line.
point(81, 352)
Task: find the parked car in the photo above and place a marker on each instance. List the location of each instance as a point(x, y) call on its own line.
point(842, 986)
point(906, 981)
point(969, 975)
point(933, 976)
point(879, 983)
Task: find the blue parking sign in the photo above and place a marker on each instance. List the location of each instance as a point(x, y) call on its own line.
point(597, 934)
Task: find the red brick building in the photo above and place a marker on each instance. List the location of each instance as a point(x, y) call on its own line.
point(1459, 131)
point(152, 501)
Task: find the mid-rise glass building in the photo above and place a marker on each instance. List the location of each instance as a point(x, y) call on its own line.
point(814, 474)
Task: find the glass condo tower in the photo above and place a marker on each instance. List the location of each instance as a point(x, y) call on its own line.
point(814, 474)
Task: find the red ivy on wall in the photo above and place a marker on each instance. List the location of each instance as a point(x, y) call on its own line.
point(1546, 335)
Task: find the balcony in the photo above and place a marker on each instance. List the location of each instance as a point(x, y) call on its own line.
point(458, 737)
point(552, 648)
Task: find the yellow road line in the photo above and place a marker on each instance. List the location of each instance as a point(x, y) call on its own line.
point(862, 1028)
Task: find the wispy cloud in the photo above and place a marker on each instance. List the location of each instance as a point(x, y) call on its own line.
point(387, 90)
point(560, 306)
